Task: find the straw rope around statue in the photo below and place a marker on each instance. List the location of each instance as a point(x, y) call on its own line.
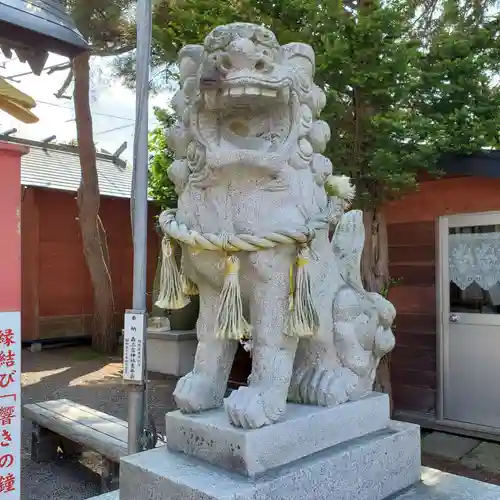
point(231, 324)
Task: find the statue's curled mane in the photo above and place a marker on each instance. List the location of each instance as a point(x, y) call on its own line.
point(246, 100)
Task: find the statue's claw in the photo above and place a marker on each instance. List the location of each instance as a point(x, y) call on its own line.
point(322, 387)
point(254, 407)
point(196, 392)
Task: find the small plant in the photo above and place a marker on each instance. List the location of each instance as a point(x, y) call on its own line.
point(388, 285)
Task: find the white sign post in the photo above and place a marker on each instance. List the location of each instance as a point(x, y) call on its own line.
point(10, 405)
point(134, 344)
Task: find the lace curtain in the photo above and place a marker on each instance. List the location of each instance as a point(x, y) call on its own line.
point(474, 258)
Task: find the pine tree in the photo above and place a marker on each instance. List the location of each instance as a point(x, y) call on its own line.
point(108, 27)
point(406, 82)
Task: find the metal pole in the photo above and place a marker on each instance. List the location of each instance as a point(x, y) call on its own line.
point(139, 200)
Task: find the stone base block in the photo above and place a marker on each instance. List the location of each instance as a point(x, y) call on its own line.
point(171, 352)
point(435, 485)
point(305, 430)
point(372, 467)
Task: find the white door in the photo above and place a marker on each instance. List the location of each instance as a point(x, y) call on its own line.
point(470, 318)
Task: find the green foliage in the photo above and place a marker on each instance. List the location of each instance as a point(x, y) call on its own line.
point(160, 159)
point(398, 98)
point(107, 24)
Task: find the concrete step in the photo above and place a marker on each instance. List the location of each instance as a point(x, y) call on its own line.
point(435, 485)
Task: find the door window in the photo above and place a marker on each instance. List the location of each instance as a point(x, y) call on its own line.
point(474, 269)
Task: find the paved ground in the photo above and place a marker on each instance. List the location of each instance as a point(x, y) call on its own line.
point(79, 375)
point(462, 455)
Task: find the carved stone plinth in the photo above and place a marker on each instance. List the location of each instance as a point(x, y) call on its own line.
point(306, 430)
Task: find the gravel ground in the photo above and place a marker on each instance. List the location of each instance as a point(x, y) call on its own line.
point(80, 375)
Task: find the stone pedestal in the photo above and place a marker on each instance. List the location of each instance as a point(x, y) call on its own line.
point(434, 485)
point(349, 452)
point(306, 430)
point(171, 352)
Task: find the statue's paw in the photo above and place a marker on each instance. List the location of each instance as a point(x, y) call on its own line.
point(254, 407)
point(195, 392)
point(322, 387)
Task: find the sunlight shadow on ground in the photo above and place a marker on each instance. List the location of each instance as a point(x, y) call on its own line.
point(108, 374)
point(431, 477)
point(34, 377)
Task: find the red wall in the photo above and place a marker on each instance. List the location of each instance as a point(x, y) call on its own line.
point(446, 197)
point(57, 292)
point(412, 237)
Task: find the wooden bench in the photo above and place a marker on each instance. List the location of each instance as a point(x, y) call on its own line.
point(63, 427)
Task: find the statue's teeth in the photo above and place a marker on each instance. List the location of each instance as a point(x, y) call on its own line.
point(237, 91)
point(269, 92)
point(252, 91)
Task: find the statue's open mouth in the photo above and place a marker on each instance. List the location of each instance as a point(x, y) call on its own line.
point(245, 91)
point(248, 114)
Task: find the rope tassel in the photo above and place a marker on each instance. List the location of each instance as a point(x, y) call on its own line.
point(230, 322)
point(189, 288)
point(303, 320)
point(171, 295)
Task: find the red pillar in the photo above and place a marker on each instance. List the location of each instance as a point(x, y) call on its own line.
point(10, 318)
point(10, 226)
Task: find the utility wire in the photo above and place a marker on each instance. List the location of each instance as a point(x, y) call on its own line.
point(155, 123)
point(93, 112)
point(7, 61)
point(71, 108)
point(54, 66)
point(114, 129)
point(63, 66)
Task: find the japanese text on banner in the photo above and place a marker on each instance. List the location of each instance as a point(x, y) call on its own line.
point(10, 418)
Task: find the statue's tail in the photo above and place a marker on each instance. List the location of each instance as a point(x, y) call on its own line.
point(348, 241)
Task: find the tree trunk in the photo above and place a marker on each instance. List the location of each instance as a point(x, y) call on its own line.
point(95, 248)
point(375, 261)
point(375, 273)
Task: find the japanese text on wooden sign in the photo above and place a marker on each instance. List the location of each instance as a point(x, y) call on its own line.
point(10, 410)
point(133, 346)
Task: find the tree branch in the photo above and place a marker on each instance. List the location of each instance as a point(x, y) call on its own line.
point(113, 52)
point(65, 84)
point(59, 67)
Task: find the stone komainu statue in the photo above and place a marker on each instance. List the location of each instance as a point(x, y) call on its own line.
point(256, 199)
